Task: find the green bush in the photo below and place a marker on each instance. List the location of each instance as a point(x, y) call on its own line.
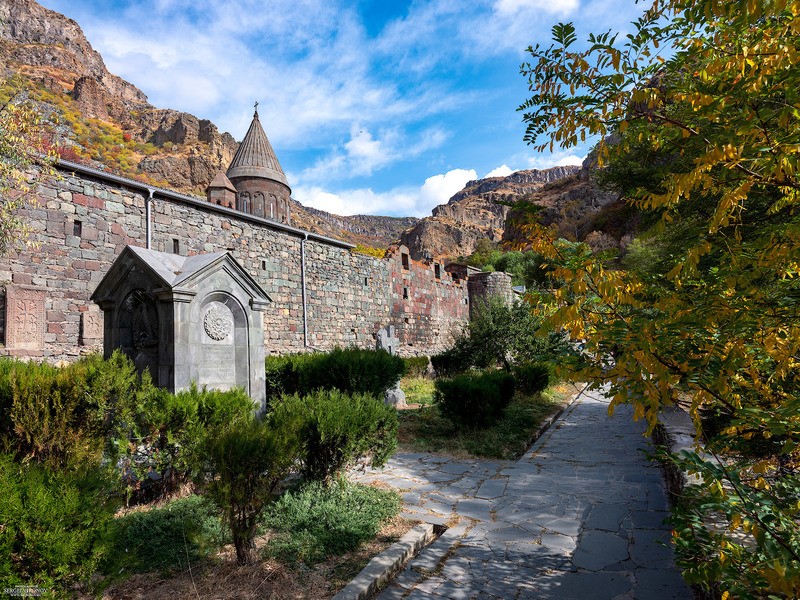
point(351, 371)
point(532, 378)
point(55, 524)
point(319, 521)
point(239, 465)
point(499, 335)
point(453, 361)
point(416, 366)
point(283, 374)
point(170, 426)
point(69, 415)
point(165, 538)
point(339, 429)
point(475, 400)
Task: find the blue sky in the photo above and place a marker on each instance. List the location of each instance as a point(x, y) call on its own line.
point(373, 106)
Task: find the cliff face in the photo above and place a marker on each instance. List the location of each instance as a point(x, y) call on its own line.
point(51, 53)
point(478, 211)
point(102, 120)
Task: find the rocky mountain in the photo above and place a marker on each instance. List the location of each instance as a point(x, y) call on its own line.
point(102, 120)
point(481, 210)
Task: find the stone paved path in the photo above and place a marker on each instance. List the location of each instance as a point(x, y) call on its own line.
point(579, 516)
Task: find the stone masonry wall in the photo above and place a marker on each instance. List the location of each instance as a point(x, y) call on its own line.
point(429, 308)
point(82, 223)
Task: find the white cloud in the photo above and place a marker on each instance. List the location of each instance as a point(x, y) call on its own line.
point(500, 171)
point(558, 159)
point(512, 7)
point(364, 153)
point(401, 201)
point(439, 188)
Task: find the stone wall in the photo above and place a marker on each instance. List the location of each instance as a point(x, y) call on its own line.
point(84, 219)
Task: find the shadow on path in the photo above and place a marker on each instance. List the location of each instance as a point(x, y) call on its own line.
point(578, 516)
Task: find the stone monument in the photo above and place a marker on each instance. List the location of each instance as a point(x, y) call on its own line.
point(387, 340)
point(186, 319)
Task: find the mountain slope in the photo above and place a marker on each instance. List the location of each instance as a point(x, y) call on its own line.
point(478, 211)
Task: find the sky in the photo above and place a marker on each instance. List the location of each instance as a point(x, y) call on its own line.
point(383, 107)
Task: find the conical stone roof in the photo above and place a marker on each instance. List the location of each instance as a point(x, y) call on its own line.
point(221, 181)
point(255, 156)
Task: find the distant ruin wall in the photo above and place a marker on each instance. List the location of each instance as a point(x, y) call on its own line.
point(83, 221)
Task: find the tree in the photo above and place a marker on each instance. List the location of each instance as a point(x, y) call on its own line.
point(22, 144)
point(241, 465)
point(700, 107)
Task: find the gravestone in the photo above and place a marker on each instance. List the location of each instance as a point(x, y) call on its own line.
point(387, 340)
point(25, 317)
point(186, 319)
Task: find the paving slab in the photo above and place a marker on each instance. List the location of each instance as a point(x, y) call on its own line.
point(580, 515)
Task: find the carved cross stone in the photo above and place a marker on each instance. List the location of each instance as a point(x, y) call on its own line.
point(387, 340)
point(25, 318)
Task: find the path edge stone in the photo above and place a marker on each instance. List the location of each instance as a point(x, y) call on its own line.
point(382, 567)
point(675, 432)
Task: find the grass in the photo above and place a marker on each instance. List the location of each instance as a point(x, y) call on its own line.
point(315, 522)
point(419, 390)
point(426, 430)
point(165, 538)
point(313, 541)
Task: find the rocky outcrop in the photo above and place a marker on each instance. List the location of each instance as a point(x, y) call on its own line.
point(573, 206)
point(44, 38)
point(439, 238)
point(478, 211)
point(51, 50)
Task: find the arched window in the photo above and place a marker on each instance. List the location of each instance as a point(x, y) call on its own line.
point(272, 202)
point(244, 202)
point(258, 204)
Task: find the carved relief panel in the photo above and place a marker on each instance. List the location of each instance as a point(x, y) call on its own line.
point(25, 318)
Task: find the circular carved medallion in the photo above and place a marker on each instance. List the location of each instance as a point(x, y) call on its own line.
point(218, 322)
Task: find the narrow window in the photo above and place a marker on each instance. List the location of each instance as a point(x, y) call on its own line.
point(366, 281)
point(404, 258)
point(176, 246)
point(263, 265)
point(77, 228)
point(406, 320)
point(466, 300)
point(405, 293)
point(437, 271)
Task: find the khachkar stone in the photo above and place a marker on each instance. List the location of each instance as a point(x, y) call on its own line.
point(25, 318)
point(388, 341)
point(91, 326)
point(187, 320)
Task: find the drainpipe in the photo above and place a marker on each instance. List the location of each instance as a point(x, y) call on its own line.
point(303, 285)
point(148, 216)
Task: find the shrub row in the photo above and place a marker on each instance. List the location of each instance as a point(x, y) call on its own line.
point(475, 400)
point(349, 370)
point(75, 438)
point(338, 428)
point(478, 399)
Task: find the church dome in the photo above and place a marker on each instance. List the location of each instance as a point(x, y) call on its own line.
point(255, 157)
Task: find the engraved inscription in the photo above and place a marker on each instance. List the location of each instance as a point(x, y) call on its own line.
point(218, 321)
point(218, 367)
point(25, 318)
